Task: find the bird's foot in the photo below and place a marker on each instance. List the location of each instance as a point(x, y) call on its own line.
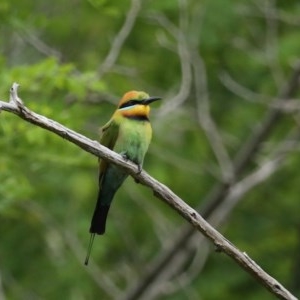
point(124, 156)
point(139, 166)
point(139, 171)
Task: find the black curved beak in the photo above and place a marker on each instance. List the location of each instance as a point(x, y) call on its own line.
point(150, 100)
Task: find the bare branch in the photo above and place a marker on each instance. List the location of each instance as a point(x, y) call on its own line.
point(13, 97)
point(160, 191)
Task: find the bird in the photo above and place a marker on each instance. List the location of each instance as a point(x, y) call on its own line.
point(128, 133)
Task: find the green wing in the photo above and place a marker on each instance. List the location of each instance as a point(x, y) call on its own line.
point(108, 139)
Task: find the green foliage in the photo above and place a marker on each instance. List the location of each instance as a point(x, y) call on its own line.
point(48, 186)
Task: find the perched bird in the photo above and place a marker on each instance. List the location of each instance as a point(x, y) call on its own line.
point(128, 133)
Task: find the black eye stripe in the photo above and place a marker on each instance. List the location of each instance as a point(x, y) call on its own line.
point(130, 103)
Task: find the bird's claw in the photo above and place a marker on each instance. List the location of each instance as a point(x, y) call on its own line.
point(124, 156)
point(139, 166)
point(139, 169)
point(138, 172)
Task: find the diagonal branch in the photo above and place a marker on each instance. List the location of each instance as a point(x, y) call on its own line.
point(161, 191)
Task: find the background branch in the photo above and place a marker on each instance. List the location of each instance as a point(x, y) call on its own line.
point(206, 121)
point(179, 34)
point(120, 38)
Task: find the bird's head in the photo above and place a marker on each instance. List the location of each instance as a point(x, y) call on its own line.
point(136, 104)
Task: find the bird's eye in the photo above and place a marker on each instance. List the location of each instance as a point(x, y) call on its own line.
point(130, 103)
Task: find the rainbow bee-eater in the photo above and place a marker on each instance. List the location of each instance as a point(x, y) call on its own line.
point(128, 133)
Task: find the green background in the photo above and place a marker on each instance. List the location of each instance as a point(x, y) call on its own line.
point(219, 66)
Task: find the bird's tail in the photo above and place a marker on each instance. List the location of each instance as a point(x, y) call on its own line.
point(99, 217)
point(98, 224)
point(105, 196)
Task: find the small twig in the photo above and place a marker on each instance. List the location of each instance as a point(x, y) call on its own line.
point(159, 190)
point(13, 98)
